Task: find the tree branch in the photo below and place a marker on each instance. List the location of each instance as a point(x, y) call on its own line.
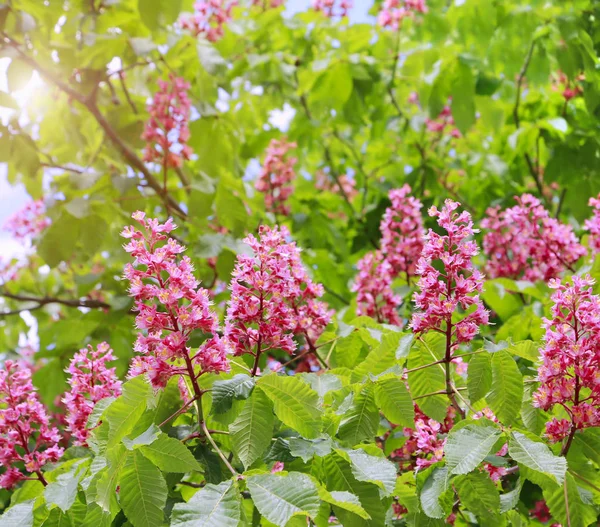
point(43, 301)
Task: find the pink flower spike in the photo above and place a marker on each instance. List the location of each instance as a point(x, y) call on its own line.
point(91, 381)
point(592, 225)
point(29, 222)
point(276, 176)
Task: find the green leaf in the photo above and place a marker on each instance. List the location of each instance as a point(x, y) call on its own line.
point(19, 515)
point(224, 392)
point(213, 505)
point(394, 400)
point(435, 485)
point(7, 101)
point(295, 403)
point(507, 388)
point(463, 97)
point(146, 438)
point(58, 518)
point(308, 448)
point(334, 86)
point(344, 500)
point(536, 456)
point(478, 493)
point(510, 500)
point(361, 420)
point(479, 378)
point(18, 74)
point(251, 432)
point(123, 414)
point(143, 493)
point(63, 491)
point(157, 13)
point(567, 505)
point(280, 497)
point(377, 470)
point(170, 455)
point(468, 446)
point(427, 380)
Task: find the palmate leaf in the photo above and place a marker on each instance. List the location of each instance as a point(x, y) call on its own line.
point(211, 506)
point(377, 470)
point(143, 493)
point(478, 493)
point(467, 447)
point(344, 500)
point(431, 494)
point(479, 378)
point(567, 505)
point(170, 455)
point(279, 497)
point(296, 404)
point(224, 392)
point(507, 388)
point(361, 420)
point(19, 515)
point(536, 456)
point(251, 432)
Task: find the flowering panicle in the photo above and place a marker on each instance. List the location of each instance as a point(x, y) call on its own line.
point(27, 440)
point(324, 181)
point(394, 11)
point(442, 122)
point(277, 175)
point(402, 232)
point(28, 222)
point(569, 90)
point(425, 442)
point(373, 285)
point(272, 298)
point(170, 307)
point(91, 381)
point(570, 369)
point(332, 8)
point(167, 130)
point(593, 225)
point(524, 242)
point(443, 293)
point(209, 19)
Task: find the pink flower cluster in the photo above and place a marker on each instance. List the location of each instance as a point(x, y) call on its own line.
point(443, 293)
point(373, 285)
point(425, 443)
point(91, 381)
point(277, 175)
point(332, 8)
point(593, 225)
point(170, 307)
point(442, 122)
point(562, 84)
point(28, 222)
point(27, 440)
point(394, 11)
point(570, 369)
point(209, 19)
point(167, 130)
point(402, 239)
point(402, 232)
point(525, 242)
point(323, 181)
point(272, 298)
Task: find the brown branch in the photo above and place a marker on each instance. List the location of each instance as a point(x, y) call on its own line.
point(42, 301)
point(90, 103)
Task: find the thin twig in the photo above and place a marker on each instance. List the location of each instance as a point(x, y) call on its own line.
point(221, 455)
point(178, 412)
point(42, 301)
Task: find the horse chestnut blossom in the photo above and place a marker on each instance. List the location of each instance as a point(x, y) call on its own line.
point(402, 232)
point(91, 381)
point(442, 293)
point(276, 176)
point(569, 373)
point(28, 222)
point(373, 285)
point(167, 130)
point(332, 8)
point(394, 11)
point(170, 307)
point(272, 298)
point(442, 122)
point(27, 440)
point(524, 242)
point(593, 225)
point(209, 19)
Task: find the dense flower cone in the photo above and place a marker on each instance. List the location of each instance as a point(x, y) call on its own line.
point(373, 285)
point(277, 175)
point(570, 370)
point(209, 19)
point(27, 440)
point(28, 222)
point(272, 297)
point(167, 130)
point(592, 225)
point(442, 293)
point(332, 8)
point(394, 11)
point(525, 242)
point(170, 307)
point(91, 381)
